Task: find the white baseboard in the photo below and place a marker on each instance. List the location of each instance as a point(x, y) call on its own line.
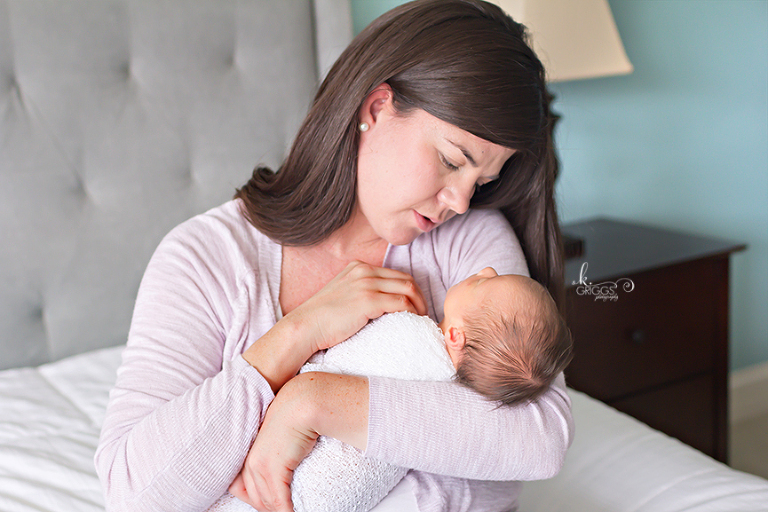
point(748, 392)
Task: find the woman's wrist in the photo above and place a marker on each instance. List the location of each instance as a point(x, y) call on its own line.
point(331, 405)
point(279, 353)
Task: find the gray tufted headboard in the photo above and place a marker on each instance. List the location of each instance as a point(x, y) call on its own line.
point(118, 120)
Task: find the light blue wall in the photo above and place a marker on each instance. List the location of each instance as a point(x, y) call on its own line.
point(365, 11)
point(680, 143)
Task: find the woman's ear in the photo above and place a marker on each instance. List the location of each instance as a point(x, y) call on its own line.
point(379, 99)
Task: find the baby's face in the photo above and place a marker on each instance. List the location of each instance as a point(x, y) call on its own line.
point(505, 292)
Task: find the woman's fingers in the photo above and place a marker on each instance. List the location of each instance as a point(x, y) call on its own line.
point(283, 441)
point(387, 280)
point(238, 490)
point(268, 496)
point(380, 280)
point(359, 293)
point(265, 496)
point(405, 292)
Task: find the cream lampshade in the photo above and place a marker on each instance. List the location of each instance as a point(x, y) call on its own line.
point(573, 38)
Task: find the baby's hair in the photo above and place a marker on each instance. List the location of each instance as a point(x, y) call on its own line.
point(513, 358)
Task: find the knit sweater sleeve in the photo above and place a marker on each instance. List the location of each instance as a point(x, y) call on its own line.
point(473, 439)
point(181, 416)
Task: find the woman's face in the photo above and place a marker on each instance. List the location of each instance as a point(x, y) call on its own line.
point(415, 171)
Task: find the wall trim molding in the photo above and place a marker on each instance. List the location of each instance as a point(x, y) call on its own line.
point(748, 392)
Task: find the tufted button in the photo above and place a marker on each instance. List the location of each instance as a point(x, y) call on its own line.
point(78, 189)
point(187, 177)
point(37, 314)
point(125, 71)
point(13, 86)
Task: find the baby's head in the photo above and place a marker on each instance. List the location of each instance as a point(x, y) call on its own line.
point(505, 336)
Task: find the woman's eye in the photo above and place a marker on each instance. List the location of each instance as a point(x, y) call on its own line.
point(449, 164)
point(486, 181)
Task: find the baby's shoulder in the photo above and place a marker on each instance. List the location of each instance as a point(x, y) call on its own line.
point(404, 321)
point(397, 345)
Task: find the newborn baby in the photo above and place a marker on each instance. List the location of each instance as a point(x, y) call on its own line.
point(501, 335)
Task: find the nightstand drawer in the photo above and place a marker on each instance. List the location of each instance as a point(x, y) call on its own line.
point(682, 410)
point(661, 331)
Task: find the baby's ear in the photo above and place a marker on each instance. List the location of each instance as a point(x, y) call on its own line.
point(454, 338)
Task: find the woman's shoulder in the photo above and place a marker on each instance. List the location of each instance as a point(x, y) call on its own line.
point(220, 220)
point(473, 219)
point(221, 234)
point(470, 242)
point(473, 229)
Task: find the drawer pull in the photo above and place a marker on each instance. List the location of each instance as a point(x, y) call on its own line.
point(638, 336)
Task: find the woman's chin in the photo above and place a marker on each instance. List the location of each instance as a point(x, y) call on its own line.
point(403, 237)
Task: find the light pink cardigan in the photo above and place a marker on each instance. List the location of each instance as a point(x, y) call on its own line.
point(186, 407)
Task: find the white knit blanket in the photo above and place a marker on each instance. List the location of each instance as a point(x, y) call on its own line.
point(336, 477)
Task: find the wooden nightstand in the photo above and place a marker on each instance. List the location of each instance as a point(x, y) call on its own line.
point(655, 345)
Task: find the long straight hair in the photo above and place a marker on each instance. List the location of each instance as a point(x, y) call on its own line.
point(463, 61)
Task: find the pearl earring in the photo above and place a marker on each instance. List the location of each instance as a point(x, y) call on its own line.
point(364, 127)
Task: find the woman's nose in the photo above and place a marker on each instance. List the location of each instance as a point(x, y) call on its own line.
point(457, 199)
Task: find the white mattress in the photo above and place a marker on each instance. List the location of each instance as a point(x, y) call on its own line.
point(50, 419)
point(618, 464)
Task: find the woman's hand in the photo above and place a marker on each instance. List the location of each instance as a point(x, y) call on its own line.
point(309, 405)
point(281, 444)
point(359, 293)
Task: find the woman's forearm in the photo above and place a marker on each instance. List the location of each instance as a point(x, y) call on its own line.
point(437, 427)
point(185, 407)
point(447, 429)
point(308, 405)
point(180, 454)
point(333, 405)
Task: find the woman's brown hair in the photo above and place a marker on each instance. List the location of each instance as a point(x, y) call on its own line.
point(463, 61)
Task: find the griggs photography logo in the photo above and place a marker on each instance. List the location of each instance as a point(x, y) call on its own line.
point(605, 291)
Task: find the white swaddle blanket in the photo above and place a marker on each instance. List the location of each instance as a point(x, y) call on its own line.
point(336, 477)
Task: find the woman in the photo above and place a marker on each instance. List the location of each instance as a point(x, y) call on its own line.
point(436, 107)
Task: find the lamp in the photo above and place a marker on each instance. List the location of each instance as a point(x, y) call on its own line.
point(574, 39)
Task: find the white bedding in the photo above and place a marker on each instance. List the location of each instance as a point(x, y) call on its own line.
point(50, 419)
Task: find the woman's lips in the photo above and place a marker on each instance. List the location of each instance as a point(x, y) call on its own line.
point(424, 223)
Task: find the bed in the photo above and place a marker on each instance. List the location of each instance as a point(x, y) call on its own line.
point(121, 118)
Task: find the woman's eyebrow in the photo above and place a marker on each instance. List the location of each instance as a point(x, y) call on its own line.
point(465, 152)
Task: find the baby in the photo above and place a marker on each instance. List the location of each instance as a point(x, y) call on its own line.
point(501, 336)
point(505, 336)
